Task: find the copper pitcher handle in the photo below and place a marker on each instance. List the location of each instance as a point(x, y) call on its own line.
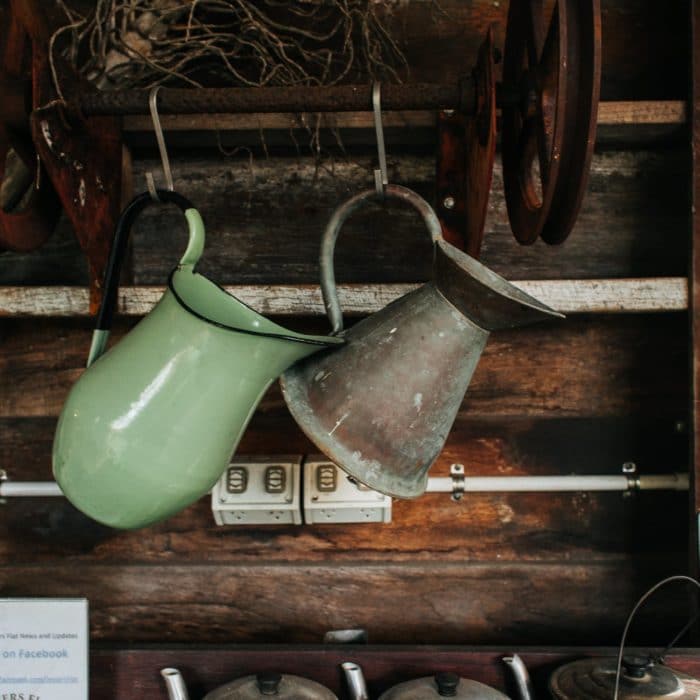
point(118, 251)
point(340, 216)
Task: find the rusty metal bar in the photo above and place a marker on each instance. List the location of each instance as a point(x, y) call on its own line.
point(342, 98)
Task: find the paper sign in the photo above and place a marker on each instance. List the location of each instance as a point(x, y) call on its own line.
point(43, 649)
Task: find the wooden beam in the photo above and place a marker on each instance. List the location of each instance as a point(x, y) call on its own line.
point(642, 112)
point(568, 296)
point(694, 286)
point(662, 112)
point(429, 602)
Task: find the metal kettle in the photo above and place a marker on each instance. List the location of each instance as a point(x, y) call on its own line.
point(260, 686)
point(640, 679)
point(441, 685)
point(626, 677)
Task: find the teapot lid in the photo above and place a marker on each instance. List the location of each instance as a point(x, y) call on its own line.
point(640, 679)
point(271, 685)
point(442, 685)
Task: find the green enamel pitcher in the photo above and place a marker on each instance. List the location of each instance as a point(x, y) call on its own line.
point(152, 423)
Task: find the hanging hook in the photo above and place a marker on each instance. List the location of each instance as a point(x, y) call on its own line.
point(381, 179)
point(165, 161)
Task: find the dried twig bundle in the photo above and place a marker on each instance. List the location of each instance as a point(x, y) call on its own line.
point(142, 43)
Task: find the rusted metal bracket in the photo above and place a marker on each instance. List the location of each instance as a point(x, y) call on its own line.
point(83, 158)
point(466, 152)
point(451, 180)
point(81, 155)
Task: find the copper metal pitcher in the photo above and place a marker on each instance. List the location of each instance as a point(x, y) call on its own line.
point(382, 405)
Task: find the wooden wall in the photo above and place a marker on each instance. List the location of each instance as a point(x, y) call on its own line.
point(582, 395)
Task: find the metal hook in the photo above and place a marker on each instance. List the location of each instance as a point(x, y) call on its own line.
point(381, 179)
point(165, 161)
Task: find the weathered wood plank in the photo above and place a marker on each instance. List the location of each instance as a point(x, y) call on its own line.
point(642, 112)
point(659, 112)
point(58, 261)
point(265, 217)
point(694, 292)
point(410, 603)
point(327, 120)
point(265, 220)
point(583, 366)
point(567, 296)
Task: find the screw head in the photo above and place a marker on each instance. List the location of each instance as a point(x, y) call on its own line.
point(448, 202)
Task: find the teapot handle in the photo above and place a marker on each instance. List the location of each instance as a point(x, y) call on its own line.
point(122, 231)
point(340, 216)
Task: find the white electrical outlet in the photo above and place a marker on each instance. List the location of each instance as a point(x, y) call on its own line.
point(332, 496)
point(259, 491)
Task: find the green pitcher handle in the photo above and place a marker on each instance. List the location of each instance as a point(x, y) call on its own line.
point(195, 247)
point(340, 216)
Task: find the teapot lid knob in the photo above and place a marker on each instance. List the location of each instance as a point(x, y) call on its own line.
point(268, 683)
point(447, 684)
point(636, 666)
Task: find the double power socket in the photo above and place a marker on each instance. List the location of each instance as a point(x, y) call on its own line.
point(294, 490)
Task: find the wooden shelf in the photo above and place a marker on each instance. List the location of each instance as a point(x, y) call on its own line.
point(383, 666)
point(642, 295)
point(660, 112)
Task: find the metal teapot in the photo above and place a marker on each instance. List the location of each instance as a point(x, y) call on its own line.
point(441, 685)
point(626, 677)
point(260, 686)
point(151, 424)
point(381, 406)
point(640, 679)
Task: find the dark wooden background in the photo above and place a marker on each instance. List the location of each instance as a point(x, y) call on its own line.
point(582, 395)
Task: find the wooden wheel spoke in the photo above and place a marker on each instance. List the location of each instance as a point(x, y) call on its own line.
point(553, 51)
point(533, 25)
point(530, 151)
point(543, 127)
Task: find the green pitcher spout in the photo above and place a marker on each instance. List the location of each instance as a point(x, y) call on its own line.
point(153, 422)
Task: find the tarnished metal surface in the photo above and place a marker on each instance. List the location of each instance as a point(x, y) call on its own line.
point(280, 686)
point(382, 405)
point(592, 679)
point(442, 685)
point(488, 300)
point(342, 98)
point(335, 223)
point(551, 77)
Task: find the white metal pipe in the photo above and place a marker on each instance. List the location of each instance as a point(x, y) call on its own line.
point(472, 484)
point(621, 482)
point(30, 489)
